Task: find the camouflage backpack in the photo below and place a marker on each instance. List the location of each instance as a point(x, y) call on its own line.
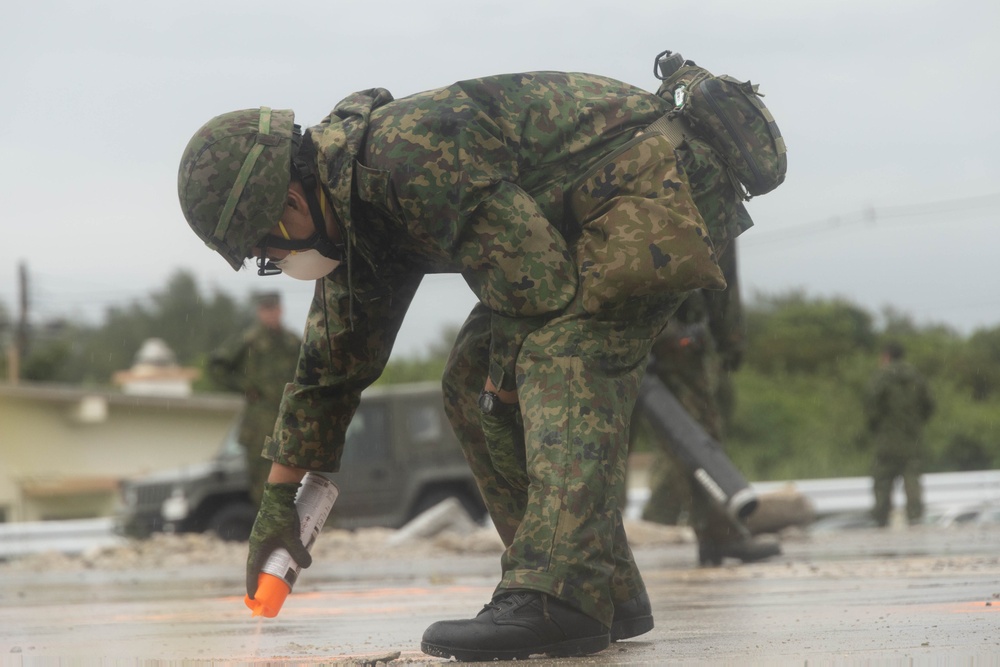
point(729, 115)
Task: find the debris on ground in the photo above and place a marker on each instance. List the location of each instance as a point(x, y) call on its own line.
point(781, 509)
point(166, 550)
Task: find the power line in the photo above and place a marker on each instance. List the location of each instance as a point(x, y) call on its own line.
point(871, 216)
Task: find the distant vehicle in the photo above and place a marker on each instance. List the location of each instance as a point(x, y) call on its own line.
point(400, 459)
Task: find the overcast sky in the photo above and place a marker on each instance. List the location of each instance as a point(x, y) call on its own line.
point(888, 107)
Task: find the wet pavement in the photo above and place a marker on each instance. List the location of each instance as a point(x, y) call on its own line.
point(903, 596)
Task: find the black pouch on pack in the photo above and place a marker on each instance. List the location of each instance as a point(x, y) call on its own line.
point(730, 116)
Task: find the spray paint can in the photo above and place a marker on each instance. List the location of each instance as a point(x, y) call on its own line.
point(313, 502)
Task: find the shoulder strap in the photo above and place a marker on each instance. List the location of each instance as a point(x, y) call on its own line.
point(672, 126)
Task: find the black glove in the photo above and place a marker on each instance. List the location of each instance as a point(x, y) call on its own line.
point(277, 526)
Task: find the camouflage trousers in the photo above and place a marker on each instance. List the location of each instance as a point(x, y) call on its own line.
point(556, 492)
point(886, 469)
point(557, 503)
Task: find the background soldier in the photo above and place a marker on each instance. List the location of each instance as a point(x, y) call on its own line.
point(257, 363)
point(694, 357)
point(897, 406)
point(577, 225)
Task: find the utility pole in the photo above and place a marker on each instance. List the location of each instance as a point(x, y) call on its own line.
point(19, 348)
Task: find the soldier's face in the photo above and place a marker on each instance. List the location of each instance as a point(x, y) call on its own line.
point(269, 316)
point(296, 224)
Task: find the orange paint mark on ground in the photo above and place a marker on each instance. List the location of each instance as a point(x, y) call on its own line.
point(391, 592)
point(325, 603)
point(974, 607)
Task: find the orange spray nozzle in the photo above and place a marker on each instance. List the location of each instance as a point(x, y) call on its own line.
point(270, 595)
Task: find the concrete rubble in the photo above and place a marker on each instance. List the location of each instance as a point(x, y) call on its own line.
point(439, 532)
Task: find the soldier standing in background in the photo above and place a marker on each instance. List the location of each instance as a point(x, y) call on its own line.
point(258, 363)
point(694, 357)
point(897, 406)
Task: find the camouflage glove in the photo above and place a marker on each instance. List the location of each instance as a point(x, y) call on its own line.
point(505, 442)
point(277, 526)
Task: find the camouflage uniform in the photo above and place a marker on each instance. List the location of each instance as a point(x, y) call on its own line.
point(256, 363)
point(897, 405)
point(701, 345)
point(579, 235)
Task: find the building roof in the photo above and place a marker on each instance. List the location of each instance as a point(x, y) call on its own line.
point(57, 393)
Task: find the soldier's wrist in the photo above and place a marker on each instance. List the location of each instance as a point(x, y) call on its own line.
point(282, 474)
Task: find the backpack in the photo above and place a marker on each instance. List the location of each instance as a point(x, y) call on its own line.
point(729, 115)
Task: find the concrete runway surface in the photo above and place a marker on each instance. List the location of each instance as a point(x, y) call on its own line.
point(905, 596)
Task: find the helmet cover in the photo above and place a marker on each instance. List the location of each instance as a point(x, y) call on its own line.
point(233, 179)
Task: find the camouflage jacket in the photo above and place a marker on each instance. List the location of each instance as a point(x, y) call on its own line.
point(257, 363)
point(897, 405)
point(472, 179)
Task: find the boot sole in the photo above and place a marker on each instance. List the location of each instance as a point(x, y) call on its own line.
point(632, 627)
point(565, 649)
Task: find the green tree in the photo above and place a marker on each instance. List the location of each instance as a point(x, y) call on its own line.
point(798, 395)
point(795, 426)
point(50, 358)
point(935, 349)
point(978, 371)
point(419, 368)
point(191, 323)
point(796, 334)
point(808, 363)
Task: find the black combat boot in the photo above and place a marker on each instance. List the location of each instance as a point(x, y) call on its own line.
point(515, 625)
point(747, 550)
point(632, 618)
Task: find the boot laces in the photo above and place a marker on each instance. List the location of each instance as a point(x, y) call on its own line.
point(515, 598)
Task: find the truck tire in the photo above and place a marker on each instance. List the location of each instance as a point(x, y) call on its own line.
point(233, 522)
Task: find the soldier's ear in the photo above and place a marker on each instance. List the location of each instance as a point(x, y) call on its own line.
point(295, 198)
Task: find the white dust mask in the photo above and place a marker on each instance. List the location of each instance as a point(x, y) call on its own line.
point(307, 264)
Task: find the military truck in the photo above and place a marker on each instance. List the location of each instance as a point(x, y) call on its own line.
point(400, 459)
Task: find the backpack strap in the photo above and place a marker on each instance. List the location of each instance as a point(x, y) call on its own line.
point(672, 126)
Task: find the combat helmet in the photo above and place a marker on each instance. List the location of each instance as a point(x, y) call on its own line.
point(234, 177)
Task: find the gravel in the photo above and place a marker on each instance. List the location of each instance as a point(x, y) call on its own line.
point(169, 550)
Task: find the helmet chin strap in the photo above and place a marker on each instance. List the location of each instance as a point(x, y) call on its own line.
point(319, 240)
point(323, 243)
point(303, 170)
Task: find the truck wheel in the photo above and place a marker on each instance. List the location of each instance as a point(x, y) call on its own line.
point(233, 522)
